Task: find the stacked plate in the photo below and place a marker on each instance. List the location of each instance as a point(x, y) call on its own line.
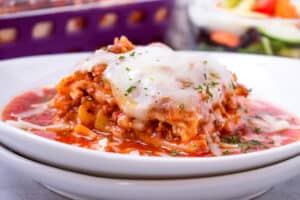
point(85, 174)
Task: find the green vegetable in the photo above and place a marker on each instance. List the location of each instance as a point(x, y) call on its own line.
point(267, 45)
point(231, 139)
point(181, 106)
point(230, 3)
point(226, 152)
point(285, 32)
point(174, 152)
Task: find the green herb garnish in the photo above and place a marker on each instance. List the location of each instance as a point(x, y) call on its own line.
point(199, 88)
point(233, 85)
point(255, 142)
point(174, 152)
point(226, 152)
point(181, 106)
point(231, 139)
point(121, 57)
point(257, 130)
point(132, 54)
point(130, 89)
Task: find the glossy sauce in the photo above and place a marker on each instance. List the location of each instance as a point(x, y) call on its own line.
point(246, 137)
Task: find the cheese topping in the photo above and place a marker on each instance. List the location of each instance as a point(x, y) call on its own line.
point(155, 76)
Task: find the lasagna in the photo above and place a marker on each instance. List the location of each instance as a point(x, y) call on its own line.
point(152, 100)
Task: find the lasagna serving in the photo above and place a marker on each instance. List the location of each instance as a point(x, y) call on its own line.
point(152, 100)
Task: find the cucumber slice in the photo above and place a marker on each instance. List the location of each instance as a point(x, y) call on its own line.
point(283, 32)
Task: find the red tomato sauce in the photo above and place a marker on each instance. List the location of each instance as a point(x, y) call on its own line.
point(246, 137)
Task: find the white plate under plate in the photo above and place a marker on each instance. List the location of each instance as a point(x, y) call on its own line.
point(237, 186)
point(273, 79)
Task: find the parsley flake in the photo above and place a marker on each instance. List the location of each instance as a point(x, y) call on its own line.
point(174, 152)
point(130, 89)
point(226, 152)
point(181, 106)
point(199, 88)
point(132, 54)
point(121, 57)
point(257, 130)
point(233, 85)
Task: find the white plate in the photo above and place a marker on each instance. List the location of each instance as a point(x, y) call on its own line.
point(273, 79)
point(238, 186)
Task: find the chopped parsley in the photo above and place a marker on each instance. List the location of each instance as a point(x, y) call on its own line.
point(250, 90)
point(127, 69)
point(226, 152)
point(208, 93)
point(205, 62)
point(255, 142)
point(181, 106)
point(257, 130)
point(214, 75)
point(214, 84)
point(174, 152)
point(194, 145)
point(199, 88)
point(231, 139)
point(244, 146)
point(130, 89)
point(145, 88)
point(121, 57)
point(233, 85)
point(132, 54)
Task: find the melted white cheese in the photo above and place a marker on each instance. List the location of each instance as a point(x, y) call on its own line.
point(142, 78)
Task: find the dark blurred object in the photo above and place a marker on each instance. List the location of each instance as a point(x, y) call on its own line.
point(80, 28)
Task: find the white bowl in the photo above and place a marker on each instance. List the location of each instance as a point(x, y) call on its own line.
point(235, 186)
point(273, 79)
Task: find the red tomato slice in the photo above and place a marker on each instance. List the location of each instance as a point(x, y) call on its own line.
point(265, 6)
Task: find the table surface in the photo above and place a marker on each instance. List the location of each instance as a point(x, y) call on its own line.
point(16, 186)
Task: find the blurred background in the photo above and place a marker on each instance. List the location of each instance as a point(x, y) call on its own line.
point(32, 27)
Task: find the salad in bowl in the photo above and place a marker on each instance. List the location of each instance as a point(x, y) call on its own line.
point(268, 27)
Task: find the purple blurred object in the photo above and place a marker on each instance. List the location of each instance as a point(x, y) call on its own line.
point(91, 35)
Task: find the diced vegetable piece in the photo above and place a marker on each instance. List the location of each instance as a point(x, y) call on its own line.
point(225, 38)
point(288, 33)
point(285, 9)
point(267, 46)
point(265, 6)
